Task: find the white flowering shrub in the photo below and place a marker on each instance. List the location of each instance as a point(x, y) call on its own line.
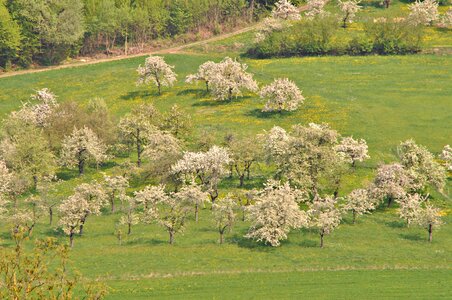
point(130, 215)
point(423, 13)
point(315, 8)
point(82, 146)
point(359, 203)
point(194, 195)
point(349, 10)
point(72, 212)
point(231, 79)
point(324, 215)
point(446, 156)
point(115, 188)
point(205, 73)
point(95, 197)
point(207, 167)
point(409, 207)
point(281, 94)
point(285, 10)
point(166, 209)
point(391, 182)
point(353, 150)
point(224, 215)
point(429, 218)
point(422, 165)
point(275, 212)
point(157, 72)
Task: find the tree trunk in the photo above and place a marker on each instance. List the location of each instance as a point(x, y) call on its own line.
point(50, 215)
point(35, 182)
point(196, 212)
point(171, 237)
point(230, 94)
point(321, 240)
point(221, 237)
point(430, 233)
point(354, 164)
point(207, 86)
point(81, 166)
point(213, 195)
point(112, 202)
point(138, 148)
point(71, 239)
point(129, 230)
point(389, 201)
point(82, 224)
point(125, 44)
point(242, 178)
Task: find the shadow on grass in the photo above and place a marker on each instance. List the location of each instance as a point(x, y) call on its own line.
point(195, 92)
point(396, 224)
point(243, 242)
point(67, 174)
point(258, 113)
point(412, 236)
point(141, 241)
point(310, 243)
point(214, 103)
point(140, 94)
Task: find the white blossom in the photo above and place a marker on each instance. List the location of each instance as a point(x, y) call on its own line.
point(285, 10)
point(81, 146)
point(422, 165)
point(138, 126)
point(446, 156)
point(324, 215)
point(353, 150)
point(150, 195)
point(156, 71)
point(315, 7)
point(224, 215)
point(231, 79)
point(208, 167)
point(349, 9)
point(130, 217)
point(72, 212)
point(160, 144)
point(37, 114)
point(267, 26)
point(423, 13)
point(429, 218)
point(194, 195)
point(205, 73)
point(392, 182)
point(115, 188)
point(169, 212)
point(275, 212)
point(281, 94)
point(359, 203)
point(409, 207)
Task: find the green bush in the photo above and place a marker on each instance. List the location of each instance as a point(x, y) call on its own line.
point(394, 36)
point(321, 36)
point(360, 45)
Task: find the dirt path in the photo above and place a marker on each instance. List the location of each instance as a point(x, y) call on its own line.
point(171, 50)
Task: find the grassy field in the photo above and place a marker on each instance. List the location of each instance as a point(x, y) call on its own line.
point(382, 99)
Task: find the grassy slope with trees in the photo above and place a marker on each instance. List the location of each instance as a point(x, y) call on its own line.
point(382, 99)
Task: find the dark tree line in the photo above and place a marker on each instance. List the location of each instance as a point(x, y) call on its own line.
point(49, 31)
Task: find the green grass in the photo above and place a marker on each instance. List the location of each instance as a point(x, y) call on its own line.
point(384, 99)
point(359, 284)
